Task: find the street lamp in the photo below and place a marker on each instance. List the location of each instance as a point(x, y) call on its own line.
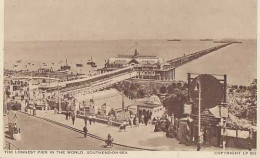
point(198, 83)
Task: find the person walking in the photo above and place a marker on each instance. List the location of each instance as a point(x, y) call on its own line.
point(146, 120)
point(34, 110)
point(55, 111)
point(66, 115)
point(125, 124)
point(137, 122)
point(131, 121)
point(93, 118)
point(85, 131)
point(142, 119)
point(73, 118)
point(85, 120)
point(69, 114)
point(90, 120)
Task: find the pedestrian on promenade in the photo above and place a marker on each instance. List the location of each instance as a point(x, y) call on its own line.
point(73, 118)
point(90, 120)
point(137, 122)
point(94, 118)
point(131, 121)
point(86, 120)
point(67, 115)
point(154, 121)
point(55, 111)
point(142, 119)
point(109, 121)
point(122, 126)
point(85, 131)
point(109, 140)
point(146, 120)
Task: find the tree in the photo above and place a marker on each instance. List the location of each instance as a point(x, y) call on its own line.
point(173, 85)
point(175, 105)
point(179, 85)
point(163, 89)
point(140, 93)
point(170, 89)
point(154, 91)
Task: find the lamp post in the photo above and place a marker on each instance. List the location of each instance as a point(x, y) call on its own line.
point(224, 134)
point(199, 133)
point(59, 100)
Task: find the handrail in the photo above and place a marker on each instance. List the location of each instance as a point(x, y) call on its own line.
point(10, 146)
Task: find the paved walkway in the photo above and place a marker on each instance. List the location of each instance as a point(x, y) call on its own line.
point(142, 136)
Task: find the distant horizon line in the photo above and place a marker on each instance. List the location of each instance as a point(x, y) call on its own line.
point(129, 39)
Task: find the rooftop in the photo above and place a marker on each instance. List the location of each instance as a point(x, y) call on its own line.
point(110, 97)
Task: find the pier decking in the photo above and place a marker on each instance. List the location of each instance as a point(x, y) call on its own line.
point(188, 58)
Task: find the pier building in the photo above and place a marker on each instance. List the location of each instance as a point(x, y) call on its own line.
point(146, 66)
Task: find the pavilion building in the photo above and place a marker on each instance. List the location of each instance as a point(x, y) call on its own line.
point(147, 66)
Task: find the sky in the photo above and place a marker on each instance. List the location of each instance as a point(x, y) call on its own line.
point(48, 20)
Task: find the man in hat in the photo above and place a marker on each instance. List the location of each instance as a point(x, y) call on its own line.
point(85, 130)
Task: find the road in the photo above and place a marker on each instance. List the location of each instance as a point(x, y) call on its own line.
point(38, 134)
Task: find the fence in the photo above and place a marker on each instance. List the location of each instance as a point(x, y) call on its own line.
point(104, 119)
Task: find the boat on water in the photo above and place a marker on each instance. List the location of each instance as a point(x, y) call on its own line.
point(173, 40)
point(65, 67)
point(79, 65)
point(94, 64)
point(206, 39)
point(91, 63)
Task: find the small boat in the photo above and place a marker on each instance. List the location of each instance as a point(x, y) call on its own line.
point(90, 62)
point(79, 65)
point(173, 40)
point(206, 39)
point(65, 67)
point(94, 64)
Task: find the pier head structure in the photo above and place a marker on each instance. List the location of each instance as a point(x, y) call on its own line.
point(146, 66)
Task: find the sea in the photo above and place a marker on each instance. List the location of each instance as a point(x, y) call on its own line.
point(238, 61)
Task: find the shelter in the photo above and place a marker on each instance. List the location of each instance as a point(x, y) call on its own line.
point(107, 102)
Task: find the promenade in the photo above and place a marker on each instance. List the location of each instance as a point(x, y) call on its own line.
point(141, 137)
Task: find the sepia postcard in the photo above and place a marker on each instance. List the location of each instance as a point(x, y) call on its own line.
point(132, 78)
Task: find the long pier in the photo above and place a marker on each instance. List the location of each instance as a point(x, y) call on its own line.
point(188, 58)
